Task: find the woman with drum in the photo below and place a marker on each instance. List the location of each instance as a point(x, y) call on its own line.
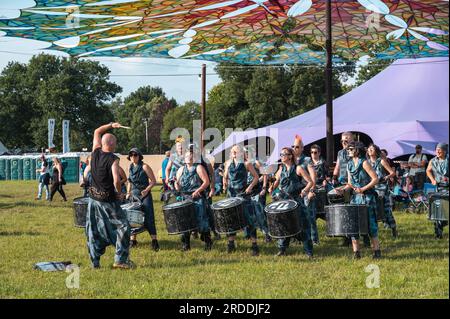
point(437, 172)
point(192, 180)
point(235, 184)
point(381, 167)
point(141, 181)
point(362, 179)
point(259, 199)
point(289, 178)
point(321, 169)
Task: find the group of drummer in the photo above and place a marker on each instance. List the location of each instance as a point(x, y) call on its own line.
point(297, 178)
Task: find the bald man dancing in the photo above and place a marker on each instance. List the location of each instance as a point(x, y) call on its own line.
point(106, 222)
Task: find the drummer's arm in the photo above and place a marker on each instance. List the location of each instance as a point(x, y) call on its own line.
point(388, 168)
point(168, 168)
point(430, 174)
point(277, 181)
point(372, 174)
point(151, 176)
point(336, 170)
point(305, 175)
point(252, 171)
point(205, 179)
point(116, 175)
point(313, 175)
point(86, 171)
point(225, 176)
point(177, 182)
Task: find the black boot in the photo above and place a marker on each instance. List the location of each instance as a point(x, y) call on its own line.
point(366, 241)
point(356, 255)
point(208, 241)
point(394, 232)
point(377, 254)
point(186, 242)
point(216, 235)
point(346, 242)
point(255, 249)
point(281, 252)
point(155, 245)
point(133, 243)
point(231, 247)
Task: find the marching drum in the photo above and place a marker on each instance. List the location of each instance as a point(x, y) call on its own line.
point(438, 208)
point(180, 217)
point(335, 198)
point(321, 201)
point(347, 220)
point(80, 206)
point(135, 214)
point(283, 219)
point(229, 215)
point(381, 190)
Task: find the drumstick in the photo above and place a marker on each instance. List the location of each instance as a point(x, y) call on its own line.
point(125, 127)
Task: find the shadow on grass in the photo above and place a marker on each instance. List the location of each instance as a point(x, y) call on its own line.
point(19, 233)
point(42, 203)
point(6, 205)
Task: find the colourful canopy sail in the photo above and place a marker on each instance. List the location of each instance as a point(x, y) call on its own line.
point(240, 31)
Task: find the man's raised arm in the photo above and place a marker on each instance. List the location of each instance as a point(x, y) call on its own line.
point(100, 131)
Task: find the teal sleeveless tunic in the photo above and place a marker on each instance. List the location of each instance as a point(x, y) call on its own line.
point(440, 171)
point(137, 177)
point(190, 182)
point(237, 175)
point(344, 159)
point(359, 178)
point(290, 182)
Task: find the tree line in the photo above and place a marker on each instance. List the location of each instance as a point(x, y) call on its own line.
point(82, 92)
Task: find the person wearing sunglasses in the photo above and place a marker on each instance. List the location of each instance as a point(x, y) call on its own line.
point(290, 178)
point(192, 180)
point(362, 178)
point(141, 181)
point(384, 172)
point(321, 169)
point(235, 179)
point(259, 197)
point(438, 173)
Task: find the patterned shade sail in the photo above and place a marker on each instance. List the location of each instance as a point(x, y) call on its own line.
point(239, 31)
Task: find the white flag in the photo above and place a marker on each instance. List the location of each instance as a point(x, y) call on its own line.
point(66, 146)
point(51, 131)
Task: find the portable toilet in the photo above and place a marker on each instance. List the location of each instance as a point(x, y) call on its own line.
point(15, 168)
point(2, 168)
point(33, 167)
point(71, 166)
point(7, 167)
point(26, 167)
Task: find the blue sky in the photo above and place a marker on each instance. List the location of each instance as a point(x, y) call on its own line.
point(131, 73)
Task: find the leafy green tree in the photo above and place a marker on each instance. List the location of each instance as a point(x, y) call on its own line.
point(180, 117)
point(54, 87)
point(372, 68)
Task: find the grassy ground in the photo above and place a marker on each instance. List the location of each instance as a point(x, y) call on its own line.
point(414, 266)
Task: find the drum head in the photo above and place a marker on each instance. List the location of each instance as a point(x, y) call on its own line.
point(227, 203)
point(178, 204)
point(281, 206)
point(131, 206)
point(81, 200)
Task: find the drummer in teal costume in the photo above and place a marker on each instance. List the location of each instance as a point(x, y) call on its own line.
point(192, 180)
point(141, 181)
point(437, 172)
point(381, 166)
point(305, 162)
point(235, 183)
point(259, 197)
point(290, 178)
point(362, 178)
point(321, 169)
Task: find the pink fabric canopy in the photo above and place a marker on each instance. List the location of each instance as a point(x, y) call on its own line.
point(404, 105)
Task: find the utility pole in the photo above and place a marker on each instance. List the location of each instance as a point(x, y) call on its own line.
point(203, 108)
point(329, 87)
point(146, 132)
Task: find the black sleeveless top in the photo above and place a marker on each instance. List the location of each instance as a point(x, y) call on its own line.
point(102, 178)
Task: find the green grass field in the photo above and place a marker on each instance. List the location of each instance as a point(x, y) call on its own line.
point(414, 266)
